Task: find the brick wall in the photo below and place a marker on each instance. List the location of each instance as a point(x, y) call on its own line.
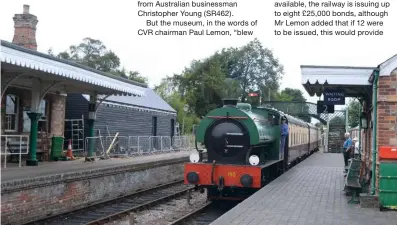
point(25, 29)
point(24, 202)
point(58, 105)
point(387, 110)
point(387, 115)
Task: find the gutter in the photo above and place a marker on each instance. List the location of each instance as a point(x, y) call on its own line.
point(374, 128)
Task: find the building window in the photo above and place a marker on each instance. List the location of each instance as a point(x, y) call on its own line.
point(43, 121)
point(12, 108)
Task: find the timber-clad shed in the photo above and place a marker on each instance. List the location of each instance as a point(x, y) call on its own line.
point(149, 115)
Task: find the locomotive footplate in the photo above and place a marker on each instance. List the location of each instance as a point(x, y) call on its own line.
point(224, 175)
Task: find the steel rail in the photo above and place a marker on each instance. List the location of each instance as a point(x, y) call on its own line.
point(188, 216)
point(115, 201)
point(119, 215)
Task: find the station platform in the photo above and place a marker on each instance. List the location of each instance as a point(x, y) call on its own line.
point(52, 188)
point(13, 172)
point(311, 193)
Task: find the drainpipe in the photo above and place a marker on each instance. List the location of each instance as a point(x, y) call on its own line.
point(359, 132)
point(374, 129)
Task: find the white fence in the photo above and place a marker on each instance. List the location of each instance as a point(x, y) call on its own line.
point(138, 145)
point(14, 145)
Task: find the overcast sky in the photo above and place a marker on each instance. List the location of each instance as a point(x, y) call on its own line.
point(63, 23)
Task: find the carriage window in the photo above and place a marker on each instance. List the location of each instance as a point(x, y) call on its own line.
point(294, 140)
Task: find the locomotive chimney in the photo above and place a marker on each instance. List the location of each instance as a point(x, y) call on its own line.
point(229, 101)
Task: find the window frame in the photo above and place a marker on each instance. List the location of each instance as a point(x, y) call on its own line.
point(45, 115)
point(16, 114)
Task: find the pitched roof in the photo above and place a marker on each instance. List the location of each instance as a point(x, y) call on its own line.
point(151, 100)
point(69, 62)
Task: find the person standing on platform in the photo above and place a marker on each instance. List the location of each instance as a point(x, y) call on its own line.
point(346, 149)
point(284, 133)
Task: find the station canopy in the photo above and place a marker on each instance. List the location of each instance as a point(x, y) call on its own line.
point(58, 75)
point(354, 81)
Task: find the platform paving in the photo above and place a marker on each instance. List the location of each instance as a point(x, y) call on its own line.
point(310, 193)
point(13, 172)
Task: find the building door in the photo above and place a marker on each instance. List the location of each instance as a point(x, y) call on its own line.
point(172, 131)
point(155, 142)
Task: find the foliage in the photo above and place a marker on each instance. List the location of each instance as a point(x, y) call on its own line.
point(202, 84)
point(296, 108)
point(255, 68)
point(354, 113)
point(93, 53)
point(174, 99)
point(337, 120)
point(294, 95)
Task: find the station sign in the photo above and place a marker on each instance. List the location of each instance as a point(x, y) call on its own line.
point(323, 108)
point(334, 97)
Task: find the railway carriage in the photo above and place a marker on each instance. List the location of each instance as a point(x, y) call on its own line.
point(243, 149)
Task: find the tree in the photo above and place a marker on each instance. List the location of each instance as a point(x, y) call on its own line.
point(297, 106)
point(166, 88)
point(295, 95)
point(354, 113)
point(337, 120)
point(255, 68)
point(175, 100)
point(284, 97)
point(202, 83)
point(93, 53)
point(50, 52)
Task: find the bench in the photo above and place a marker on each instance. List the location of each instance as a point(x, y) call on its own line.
point(15, 147)
point(352, 183)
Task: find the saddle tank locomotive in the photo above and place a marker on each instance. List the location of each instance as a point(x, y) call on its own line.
point(243, 149)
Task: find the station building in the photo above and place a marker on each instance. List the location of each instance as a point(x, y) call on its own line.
point(376, 88)
point(41, 96)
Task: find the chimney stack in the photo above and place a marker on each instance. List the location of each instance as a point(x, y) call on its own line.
point(25, 9)
point(25, 29)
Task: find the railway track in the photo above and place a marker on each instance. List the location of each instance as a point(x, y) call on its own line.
point(118, 208)
point(204, 215)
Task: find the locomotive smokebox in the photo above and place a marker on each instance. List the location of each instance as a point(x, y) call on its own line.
point(229, 102)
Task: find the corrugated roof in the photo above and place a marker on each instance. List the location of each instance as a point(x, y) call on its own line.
point(151, 100)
